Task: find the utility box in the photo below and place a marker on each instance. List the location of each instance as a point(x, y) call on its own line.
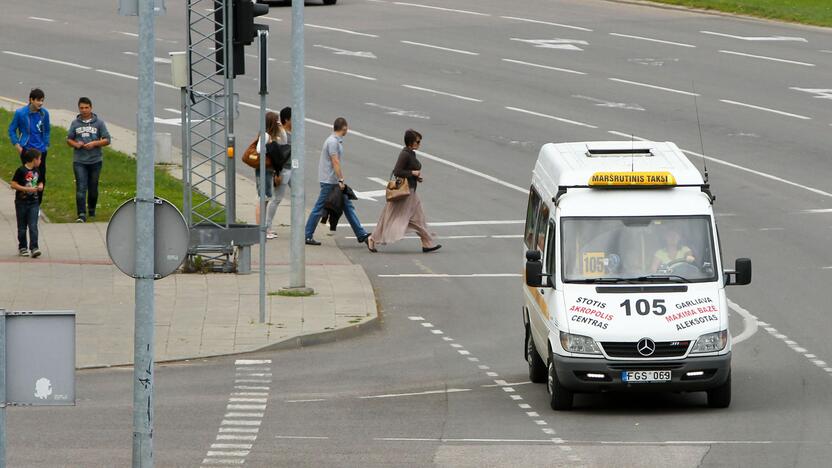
point(40, 358)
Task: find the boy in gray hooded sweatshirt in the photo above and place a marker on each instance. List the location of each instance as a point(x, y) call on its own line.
point(87, 134)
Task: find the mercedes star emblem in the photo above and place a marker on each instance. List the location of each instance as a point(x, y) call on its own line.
point(646, 347)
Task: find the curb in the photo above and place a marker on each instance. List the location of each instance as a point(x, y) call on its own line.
point(295, 342)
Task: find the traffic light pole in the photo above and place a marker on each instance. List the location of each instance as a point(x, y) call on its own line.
point(262, 41)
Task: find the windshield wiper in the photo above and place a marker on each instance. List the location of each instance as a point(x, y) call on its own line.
point(610, 279)
point(662, 277)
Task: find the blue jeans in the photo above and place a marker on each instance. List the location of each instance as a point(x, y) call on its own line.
point(86, 187)
point(27, 219)
point(318, 211)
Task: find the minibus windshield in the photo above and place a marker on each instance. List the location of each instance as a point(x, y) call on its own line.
point(637, 249)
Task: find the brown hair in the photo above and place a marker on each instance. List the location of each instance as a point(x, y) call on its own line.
point(272, 124)
point(411, 136)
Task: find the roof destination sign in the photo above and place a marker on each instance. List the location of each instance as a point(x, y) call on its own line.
point(622, 179)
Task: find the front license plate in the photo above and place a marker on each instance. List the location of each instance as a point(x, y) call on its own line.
point(651, 376)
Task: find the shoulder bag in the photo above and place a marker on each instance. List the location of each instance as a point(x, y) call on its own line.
point(251, 157)
point(397, 188)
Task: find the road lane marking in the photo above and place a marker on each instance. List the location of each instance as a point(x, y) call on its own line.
point(125, 33)
point(271, 18)
point(661, 88)
point(765, 109)
point(44, 59)
point(552, 117)
point(443, 439)
point(441, 93)
point(241, 417)
point(329, 70)
point(650, 39)
point(557, 43)
point(38, 18)
point(763, 57)
point(237, 437)
point(240, 430)
point(817, 211)
point(447, 275)
point(346, 31)
point(431, 46)
point(429, 392)
point(560, 25)
point(467, 12)
point(757, 38)
point(749, 320)
point(155, 59)
point(218, 461)
point(546, 67)
point(350, 53)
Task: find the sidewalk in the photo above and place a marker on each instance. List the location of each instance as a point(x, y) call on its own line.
point(196, 315)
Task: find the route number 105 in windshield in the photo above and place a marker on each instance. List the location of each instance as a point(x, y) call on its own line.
point(643, 307)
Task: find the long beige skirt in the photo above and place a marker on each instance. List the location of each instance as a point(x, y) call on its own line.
point(400, 216)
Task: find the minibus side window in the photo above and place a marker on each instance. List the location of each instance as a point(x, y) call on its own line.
point(531, 217)
point(551, 250)
point(542, 219)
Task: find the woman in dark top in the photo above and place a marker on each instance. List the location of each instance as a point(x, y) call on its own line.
point(404, 214)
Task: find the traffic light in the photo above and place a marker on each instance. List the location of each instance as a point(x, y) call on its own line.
point(244, 31)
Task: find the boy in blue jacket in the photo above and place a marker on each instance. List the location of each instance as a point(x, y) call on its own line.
point(30, 130)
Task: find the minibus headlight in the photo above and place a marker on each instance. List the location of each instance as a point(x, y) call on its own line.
point(578, 344)
point(711, 342)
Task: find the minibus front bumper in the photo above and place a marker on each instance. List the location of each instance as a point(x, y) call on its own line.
point(603, 375)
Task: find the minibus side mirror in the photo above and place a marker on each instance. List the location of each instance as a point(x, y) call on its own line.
point(740, 275)
point(534, 269)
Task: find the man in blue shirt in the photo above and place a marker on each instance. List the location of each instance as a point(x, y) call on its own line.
point(330, 177)
point(30, 130)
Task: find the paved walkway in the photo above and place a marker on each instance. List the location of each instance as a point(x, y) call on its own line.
point(197, 315)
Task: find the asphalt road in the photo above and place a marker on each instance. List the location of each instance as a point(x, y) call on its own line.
point(487, 83)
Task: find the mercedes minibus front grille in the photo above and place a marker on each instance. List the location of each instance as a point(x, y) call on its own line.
point(629, 349)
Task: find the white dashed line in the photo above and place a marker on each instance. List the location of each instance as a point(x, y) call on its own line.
point(763, 57)
point(446, 49)
point(545, 67)
point(38, 18)
point(346, 31)
point(552, 117)
point(416, 318)
point(44, 59)
point(766, 109)
point(427, 325)
point(441, 93)
point(429, 392)
point(660, 88)
point(354, 75)
point(560, 25)
point(649, 39)
point(467, 12)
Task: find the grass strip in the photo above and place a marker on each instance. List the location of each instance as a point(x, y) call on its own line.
point(815, 12)
point(116, 185)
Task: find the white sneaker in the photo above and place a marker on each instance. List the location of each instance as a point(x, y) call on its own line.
point(271, 235)
point(330, 233)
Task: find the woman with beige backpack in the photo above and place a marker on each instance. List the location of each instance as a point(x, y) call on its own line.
point(403, 210)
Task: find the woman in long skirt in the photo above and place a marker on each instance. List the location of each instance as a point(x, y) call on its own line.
point(404, 214)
